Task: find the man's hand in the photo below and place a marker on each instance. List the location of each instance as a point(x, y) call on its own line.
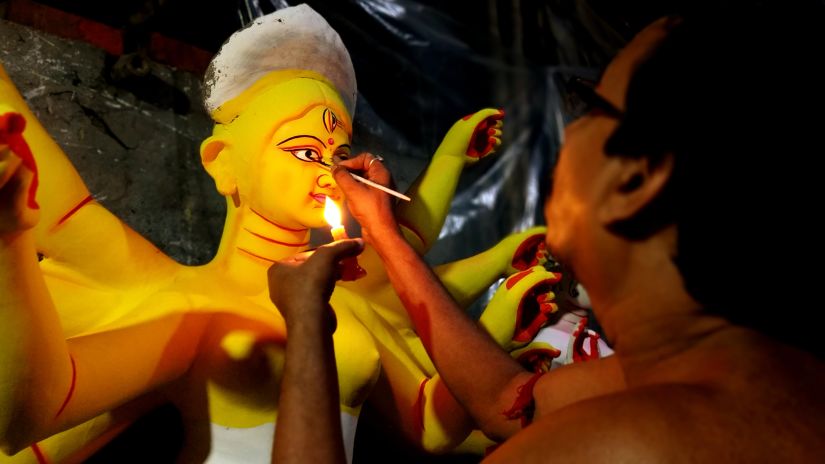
point(300, 286)
point(371, 207)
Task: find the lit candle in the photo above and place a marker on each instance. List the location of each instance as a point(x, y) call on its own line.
point(350, 269)
point(332, 214)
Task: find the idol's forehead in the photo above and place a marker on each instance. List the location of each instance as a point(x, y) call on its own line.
point(286, 101)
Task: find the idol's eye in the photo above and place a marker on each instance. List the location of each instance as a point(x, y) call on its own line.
point(309, 155)
point(341, 156)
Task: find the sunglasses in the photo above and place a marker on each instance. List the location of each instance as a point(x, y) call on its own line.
point(579, 97)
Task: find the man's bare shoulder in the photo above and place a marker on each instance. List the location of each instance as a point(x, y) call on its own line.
point(577, 382)
point(666, 423)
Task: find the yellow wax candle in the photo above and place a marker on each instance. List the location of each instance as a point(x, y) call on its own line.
point(339, 232)
point(350, 269)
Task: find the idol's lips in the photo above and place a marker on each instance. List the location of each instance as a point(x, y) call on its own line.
point(319, 197)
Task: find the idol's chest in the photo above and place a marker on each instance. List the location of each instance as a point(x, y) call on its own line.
point(240, 366)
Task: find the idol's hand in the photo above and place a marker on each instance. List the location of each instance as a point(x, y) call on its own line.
point(18, 211)
point(474, 136)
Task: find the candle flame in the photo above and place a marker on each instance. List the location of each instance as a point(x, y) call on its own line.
point(332, 213)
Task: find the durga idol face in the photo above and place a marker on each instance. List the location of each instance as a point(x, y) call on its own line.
point(288, 163)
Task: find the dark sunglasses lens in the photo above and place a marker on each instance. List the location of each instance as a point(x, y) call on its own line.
point(588, 99)
point(572, 93)
point(576, 107)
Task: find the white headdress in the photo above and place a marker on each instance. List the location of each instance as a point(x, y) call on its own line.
point(292, 38)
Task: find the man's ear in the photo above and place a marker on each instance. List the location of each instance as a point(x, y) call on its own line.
point(216, 160)
point(634, 184)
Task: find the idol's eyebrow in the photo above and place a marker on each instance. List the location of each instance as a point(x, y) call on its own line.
point(300, 136)
point(346, 145)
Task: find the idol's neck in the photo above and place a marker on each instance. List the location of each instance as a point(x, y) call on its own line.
point(251, 243)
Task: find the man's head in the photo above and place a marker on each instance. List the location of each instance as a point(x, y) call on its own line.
point(721, 122)
point(591, 190)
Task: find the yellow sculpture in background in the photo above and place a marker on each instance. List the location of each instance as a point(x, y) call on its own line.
point(106, 326)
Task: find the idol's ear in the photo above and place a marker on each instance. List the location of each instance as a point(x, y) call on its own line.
point(216, 156)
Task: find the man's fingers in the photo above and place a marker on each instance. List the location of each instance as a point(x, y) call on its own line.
point(300, 257)
point(378, 173)
point(329, 254)
point(362, 163)
point(326, 262)
point(336, 251)
point(371, 165)
point(357, 163)
point(344, 180)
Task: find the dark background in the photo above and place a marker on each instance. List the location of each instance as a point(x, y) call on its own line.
point(402, 50)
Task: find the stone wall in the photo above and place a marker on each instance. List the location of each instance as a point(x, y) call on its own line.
point(134, 140)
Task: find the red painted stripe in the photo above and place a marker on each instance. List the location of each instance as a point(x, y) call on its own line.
point(38, 453)
point(256, 256)
point(515, 278)
point(74, 210)
point(418, 407)
point(524, 405)
point(276, 225)
point(71, 389)
point(64, 24)
point(68, 25)
point(271, 240)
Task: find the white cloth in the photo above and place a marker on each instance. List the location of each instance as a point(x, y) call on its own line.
point(254, 445)
point(560, 337)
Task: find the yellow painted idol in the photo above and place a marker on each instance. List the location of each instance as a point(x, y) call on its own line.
point(89, 342)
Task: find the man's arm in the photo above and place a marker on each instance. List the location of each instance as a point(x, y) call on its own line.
point(309, 423)
point(480, 374)
point(309, 417)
